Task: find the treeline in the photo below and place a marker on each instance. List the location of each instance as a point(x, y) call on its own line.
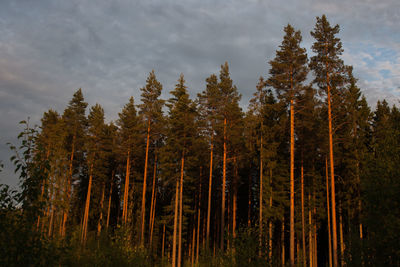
point(307, 176)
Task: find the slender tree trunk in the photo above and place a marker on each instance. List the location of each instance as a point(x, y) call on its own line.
point(180, 212)
point(65, 214)
point(303, 224)
point(310, 236)
point(152, 219)
point(292, 183)
point(229, 219)
point(261, 194)
point(209, 192)
point(334, 232)
point(109, 199)
point(87, 206)
point(234, 203)
point(328, 212)
point(143, 213)
point(283, 241)
point(126, 191)
point(270, 220)
point(342, 246)
point(315, 257)
point(41, 199)
point(152, 198)
point(193, 242)
point(163, 243)
point(49, 233)
point(249, 203)
point(176, 218)
point(198, 221)
point(223, 190)
point(101, 211)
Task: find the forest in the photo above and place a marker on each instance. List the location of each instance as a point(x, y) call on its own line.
point(307, 175)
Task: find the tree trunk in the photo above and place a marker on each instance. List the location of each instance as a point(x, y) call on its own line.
point(180, 212)
point(175, 220)
point(87, 206)
point(342, 246)
point(152, 219)
point(109, 199)
point(328, 212)
point(65, 214)
point(249, 203)
point(283, 241)
point(126, 191)
point(163, 243)
point(223, 190)
point(234, 202)
point(152, 199)
point(310, 236)
point(303, 224)
point(292, 245)
point(143, 213)
point(209, 193)
point(261, 195)
point(334, 232)
point(101, 211)
point(193, 240)
point(198, 221)
point(270, 220)
point(315, 257)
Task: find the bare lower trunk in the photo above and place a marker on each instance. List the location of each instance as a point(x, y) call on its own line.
point(180, 213)
point(101, 212)
point(143, 212)
point(292, 245)
point(333, 194)
point(152, 219)
point(126, 191)
point(223, 191)
point(283, 241)
point(193, 242)
point(198, 221)
point(342, 246)
point(328, 212)
point(109, 199)
point(310, 236)
point(261, 197)
point(209, 194)
point(303, 224)
point(68, 189)
point(175, 222)
point(315, 232)
point(87, 206)
point(152, 199)
point(163, 243)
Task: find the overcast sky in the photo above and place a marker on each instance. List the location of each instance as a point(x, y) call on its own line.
point(49, 49)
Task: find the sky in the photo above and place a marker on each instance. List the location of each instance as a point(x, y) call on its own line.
point(51, 48)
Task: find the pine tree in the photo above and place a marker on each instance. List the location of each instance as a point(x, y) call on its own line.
point(176, 156)
point(209, 104)
point(75, 123)
point(288, 72)
point(151, 110)
point(130, 139)
point(96, 161)
point(329, 73)
point(231, 114)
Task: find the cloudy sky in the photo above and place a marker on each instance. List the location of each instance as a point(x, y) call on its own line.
point(49, 49)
